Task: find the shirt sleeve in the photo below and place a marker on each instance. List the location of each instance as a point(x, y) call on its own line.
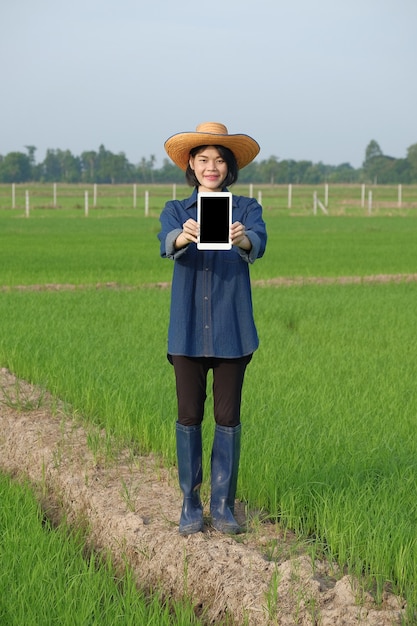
point(255, 230)
point(171, 227)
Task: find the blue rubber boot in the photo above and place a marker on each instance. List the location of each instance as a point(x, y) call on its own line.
point(190, 474)
point(224, 471)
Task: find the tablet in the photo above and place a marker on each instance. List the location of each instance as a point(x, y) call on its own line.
point(214, 215)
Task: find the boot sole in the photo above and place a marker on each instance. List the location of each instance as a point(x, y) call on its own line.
point(227, 529)
point(191, 530)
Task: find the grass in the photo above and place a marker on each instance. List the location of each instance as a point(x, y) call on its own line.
point(48, 578)
point(67, 250)
point(332, 387)
point(60, 336)
point(330, 398)
point(339, 408)
point(61, 248)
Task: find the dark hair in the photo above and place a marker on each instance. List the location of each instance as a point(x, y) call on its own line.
point(226, 154)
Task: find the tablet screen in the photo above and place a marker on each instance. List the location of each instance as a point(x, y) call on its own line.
point(214, 217)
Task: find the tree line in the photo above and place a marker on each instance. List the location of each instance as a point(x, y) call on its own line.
point(105, 167)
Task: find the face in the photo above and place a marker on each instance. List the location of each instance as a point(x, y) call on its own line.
point(210, 169)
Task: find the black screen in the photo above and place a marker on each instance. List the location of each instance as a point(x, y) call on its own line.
point(214, 220)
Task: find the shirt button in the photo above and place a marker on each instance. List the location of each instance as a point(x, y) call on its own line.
point(206, 326)
point(205, 297)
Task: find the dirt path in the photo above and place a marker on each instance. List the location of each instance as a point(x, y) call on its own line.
point(280, 281)
point(132, 506)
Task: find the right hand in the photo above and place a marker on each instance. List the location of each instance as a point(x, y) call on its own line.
point(189, 234)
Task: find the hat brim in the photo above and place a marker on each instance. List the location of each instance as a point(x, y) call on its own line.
point(178, 146)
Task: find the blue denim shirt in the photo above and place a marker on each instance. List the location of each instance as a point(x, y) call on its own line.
point(211, 303)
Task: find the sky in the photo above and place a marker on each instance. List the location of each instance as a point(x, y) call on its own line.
point(308, 80)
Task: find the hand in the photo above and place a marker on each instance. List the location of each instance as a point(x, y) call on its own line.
point(189, 234)
point(239, 237)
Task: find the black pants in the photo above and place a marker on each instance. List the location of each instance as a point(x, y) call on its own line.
point(191, 381)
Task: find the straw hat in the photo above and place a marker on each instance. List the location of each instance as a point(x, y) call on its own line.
point(243, 147)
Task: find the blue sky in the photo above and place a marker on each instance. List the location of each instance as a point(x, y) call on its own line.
point(308, 80)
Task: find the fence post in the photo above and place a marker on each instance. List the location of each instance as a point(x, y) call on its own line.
point(363, 196)
point(13, 195)
point(322, 207)
point(54, 193)
point(95, 195)
point(317, 203)
point(134, 195)
point(251, 190)
point(326, 194)
point(146, 203)
point(86, 203)
point(174, 191)
point(289, 196)
point(27, 204)
point(400, 196)
point(369, 202)
point(259, 197)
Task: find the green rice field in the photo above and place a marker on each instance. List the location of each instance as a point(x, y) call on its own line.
point(48, 577)
point(329, 411)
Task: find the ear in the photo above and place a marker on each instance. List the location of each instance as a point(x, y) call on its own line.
point(191, 162)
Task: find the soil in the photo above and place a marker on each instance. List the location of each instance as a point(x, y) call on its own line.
point(131, 504)
point(281, 281)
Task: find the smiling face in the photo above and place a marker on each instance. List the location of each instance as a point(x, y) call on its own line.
point(209, 168)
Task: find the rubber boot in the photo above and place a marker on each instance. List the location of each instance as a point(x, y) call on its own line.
point(224, 471)
point(190, 475)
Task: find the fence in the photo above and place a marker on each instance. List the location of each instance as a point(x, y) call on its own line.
point(150, 199)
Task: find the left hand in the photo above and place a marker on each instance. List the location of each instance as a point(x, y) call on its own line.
point(239, 237)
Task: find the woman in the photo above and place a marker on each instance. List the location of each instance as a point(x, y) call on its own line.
point(211, 320)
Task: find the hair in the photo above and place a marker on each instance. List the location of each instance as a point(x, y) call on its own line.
point(226, 154)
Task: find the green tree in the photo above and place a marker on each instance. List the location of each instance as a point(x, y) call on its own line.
point(70, 167)
point(15, 168)
point(112, 168)
point(372, 150)
point(169, 173)
point(104, 172)
point(343, 173)
point(316, 174)
point(300, 171)
point(401, 172)
point(412, 160)
point(145, 170)
point(270, 169)
point(374, 164)
point(88, 166)
point(31, 154)
point(61, 166)
point(250, 174)
point(286, 171)
point(51, 167)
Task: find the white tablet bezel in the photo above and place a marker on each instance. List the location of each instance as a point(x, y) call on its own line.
point(214, 245)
